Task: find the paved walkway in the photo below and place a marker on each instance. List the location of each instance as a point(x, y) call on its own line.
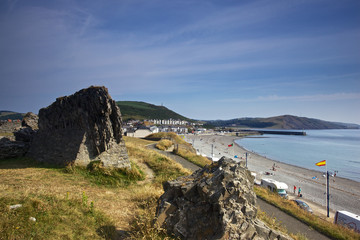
point(185, 163)
point(292, 224)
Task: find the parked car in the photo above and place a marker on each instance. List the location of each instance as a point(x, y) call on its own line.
point(303, 205)
point(275, 186)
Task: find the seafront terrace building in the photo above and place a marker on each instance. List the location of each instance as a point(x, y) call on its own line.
point(169, 122)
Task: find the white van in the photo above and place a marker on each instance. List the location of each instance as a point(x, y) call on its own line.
point(348, 219)
point(275, 186)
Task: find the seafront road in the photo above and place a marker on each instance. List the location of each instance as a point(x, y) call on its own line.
point(292, 224)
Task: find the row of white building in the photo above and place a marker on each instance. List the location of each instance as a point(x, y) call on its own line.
point(168, 122)
point(141, 132)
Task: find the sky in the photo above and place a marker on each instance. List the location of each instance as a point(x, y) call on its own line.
point(203, 59)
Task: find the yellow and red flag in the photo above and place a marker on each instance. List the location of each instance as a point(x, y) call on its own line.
point(321, 163)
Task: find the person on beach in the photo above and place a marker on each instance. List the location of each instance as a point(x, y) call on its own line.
point(299, 192)
point(294, 189)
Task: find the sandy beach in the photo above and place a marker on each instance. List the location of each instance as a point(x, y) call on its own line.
point(344, 193)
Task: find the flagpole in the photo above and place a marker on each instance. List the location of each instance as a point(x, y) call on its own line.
point(322, 163)
point(327, 191)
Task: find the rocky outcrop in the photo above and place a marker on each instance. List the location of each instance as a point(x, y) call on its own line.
point(18, 144)
point(12, 149)
point(29, 127)
point(216, 202)
point(30, 120)
point(81, 128)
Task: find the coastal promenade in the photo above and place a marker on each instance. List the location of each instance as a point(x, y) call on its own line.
point(292, 224)
point(344, 193)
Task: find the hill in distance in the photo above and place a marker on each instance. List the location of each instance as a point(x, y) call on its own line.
point(142, 111)
point(5, 115)
point(282, 122)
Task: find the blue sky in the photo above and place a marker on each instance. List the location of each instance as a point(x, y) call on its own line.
point(203, 59)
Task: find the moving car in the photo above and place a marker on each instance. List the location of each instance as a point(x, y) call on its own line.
point(303, 205)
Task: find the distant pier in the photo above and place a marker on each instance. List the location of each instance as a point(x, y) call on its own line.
point(279, 132)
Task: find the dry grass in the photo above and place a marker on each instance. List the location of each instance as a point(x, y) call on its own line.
point(164, 168)
point(126, 209)
point(273, 223)
point(192, 157)
point(164, 144)
point(327, 228)
point(168, 135)
point(20, 179)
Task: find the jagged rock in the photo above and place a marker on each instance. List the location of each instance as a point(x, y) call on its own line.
point(12, 149)
point(25, 134)
point(81, 128)
point(30, 120)
point(18, 144)
point(216, 202)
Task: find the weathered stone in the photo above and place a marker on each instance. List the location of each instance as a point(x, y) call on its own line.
point(12, 149)
point(30, 120)
point(25, 134)
point(9, 127)
point(216, 202)
point(81, 128)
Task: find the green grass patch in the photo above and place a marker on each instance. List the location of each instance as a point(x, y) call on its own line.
point(101, 176)
point(329, 229)
point(164, 168)
point(44, 217)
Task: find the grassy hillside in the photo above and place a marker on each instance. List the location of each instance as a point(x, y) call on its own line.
point(5, 115)
point(78, 203)
point(142, 110)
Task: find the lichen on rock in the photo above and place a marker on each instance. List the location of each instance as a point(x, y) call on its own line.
point(81, 128)
point(216, 202)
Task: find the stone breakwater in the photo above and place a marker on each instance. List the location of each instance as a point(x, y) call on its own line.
point(216, 202)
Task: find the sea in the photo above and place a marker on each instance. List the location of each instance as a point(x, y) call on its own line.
point(340, 149)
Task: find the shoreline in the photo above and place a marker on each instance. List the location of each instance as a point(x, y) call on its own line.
point(344, 193)
point(292, 165)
